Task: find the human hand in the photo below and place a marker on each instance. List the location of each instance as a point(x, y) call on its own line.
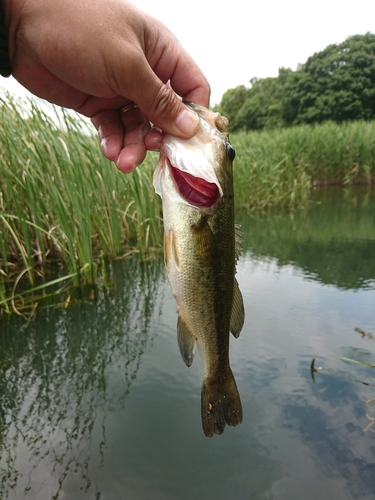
point(97, 57)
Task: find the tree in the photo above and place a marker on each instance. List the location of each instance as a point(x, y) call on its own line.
point(232, 102)
point(336, 84)
point(261, 108)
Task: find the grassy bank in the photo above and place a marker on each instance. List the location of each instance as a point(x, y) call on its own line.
point(61, 201)
point(280, 167)
point(64, 207)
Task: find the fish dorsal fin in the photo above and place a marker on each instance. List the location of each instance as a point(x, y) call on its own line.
point(186, 342)
point(238, 311)
point(238, 238)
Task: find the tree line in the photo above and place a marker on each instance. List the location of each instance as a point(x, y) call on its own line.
point(335, 84)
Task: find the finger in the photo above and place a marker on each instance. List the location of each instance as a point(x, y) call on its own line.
point(157, 101)
point(122, 137)
point(154, 139)
point(159, 104)
point(134, 150)
point(162, 107)
point(164, 60)
point(185, 77)
point(110, 131)
point(170, 62)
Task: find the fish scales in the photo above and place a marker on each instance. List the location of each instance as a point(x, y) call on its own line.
point(200, 256)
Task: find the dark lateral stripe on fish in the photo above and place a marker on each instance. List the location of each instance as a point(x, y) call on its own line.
point(195, 190)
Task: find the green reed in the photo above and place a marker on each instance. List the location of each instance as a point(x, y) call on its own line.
point(62, 201)
point(64, 207)
point(280, 167)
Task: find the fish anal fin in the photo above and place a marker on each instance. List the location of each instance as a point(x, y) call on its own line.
point(186, 342)
point(238, 311)
point(221, 404)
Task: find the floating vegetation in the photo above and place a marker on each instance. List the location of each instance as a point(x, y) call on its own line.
point(364, 334)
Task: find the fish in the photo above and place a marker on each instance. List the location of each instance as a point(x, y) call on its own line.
point(202, 244)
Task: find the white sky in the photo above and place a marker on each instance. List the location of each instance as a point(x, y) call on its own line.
point(235, 40)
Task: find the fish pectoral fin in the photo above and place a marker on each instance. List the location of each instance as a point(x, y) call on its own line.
point(204, 241)
point(186, 342)
point(238, 311)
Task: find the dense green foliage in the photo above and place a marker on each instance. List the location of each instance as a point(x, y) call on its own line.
point(335, 84)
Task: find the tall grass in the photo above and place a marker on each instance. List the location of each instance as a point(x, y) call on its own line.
point(61, 201)
point(280, 167)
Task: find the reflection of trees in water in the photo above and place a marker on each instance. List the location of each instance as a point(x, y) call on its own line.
point(68, 366)
point(332, 242)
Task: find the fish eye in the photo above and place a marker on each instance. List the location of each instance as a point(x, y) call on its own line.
point(231, 151)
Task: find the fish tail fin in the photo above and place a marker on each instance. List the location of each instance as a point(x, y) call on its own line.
point(221, 404)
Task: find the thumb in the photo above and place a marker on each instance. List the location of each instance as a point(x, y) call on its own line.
point(162, 107)
point(169, 113)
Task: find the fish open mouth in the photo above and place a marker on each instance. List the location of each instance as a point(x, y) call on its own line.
point(195, 190)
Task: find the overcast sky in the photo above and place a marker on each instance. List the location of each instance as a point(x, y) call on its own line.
point(235, 40)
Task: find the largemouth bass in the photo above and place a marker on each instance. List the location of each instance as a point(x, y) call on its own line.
point(201, 246)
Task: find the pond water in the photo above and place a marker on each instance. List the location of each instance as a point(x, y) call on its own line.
point(96, 402)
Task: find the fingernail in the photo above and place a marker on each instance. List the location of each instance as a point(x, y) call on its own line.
point(187, 122)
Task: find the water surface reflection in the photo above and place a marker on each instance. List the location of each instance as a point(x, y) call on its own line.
point(62, 374)
point(96, 402)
